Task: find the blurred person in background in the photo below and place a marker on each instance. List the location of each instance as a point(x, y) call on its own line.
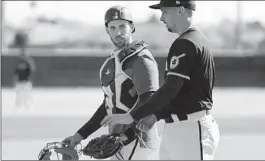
point(23, 73)
point(129, 76)
point(185, 99)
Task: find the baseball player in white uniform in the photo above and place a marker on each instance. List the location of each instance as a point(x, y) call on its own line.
point(184, 101)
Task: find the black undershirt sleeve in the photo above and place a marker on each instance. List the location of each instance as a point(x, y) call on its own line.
point(94, 123)
point(159, 99)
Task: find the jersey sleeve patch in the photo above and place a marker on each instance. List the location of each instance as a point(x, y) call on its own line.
point(174, 62)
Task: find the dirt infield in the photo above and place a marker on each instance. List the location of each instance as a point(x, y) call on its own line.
point(60, 112)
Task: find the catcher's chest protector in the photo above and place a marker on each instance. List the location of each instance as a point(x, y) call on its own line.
point(120, 93)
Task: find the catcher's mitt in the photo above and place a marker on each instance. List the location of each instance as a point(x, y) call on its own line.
point(62, 152)
point(104, 146)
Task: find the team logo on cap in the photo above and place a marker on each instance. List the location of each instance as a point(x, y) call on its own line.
point(115, 16)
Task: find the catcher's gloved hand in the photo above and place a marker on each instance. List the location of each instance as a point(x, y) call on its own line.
point(72, 141)
point(104, 146)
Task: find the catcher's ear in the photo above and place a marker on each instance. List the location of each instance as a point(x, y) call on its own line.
point(181, 11)
point(132, 27)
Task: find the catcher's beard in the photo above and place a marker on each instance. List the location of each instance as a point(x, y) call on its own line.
point(121, 42)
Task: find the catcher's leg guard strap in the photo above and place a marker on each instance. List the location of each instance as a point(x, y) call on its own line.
point(120, 155)
point(133, 150)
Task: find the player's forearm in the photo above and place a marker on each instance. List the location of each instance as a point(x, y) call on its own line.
point(162, 113)
point(159, 99)
point(145, 96)
point(94, 123)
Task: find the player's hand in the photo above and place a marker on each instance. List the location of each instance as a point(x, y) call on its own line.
point(111, 120)
point(72, 141)
point(146, 123)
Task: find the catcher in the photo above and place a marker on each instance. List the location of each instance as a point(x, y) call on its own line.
point(129, 76)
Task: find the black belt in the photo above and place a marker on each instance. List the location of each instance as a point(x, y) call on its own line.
point(181, 117)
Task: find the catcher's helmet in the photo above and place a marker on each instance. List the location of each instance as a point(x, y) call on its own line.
point(47, 153)
point(118, 13)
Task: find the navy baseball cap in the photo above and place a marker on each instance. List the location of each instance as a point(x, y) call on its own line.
point(189, 4)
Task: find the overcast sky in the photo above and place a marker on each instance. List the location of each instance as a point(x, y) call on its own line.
point(93, 11)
